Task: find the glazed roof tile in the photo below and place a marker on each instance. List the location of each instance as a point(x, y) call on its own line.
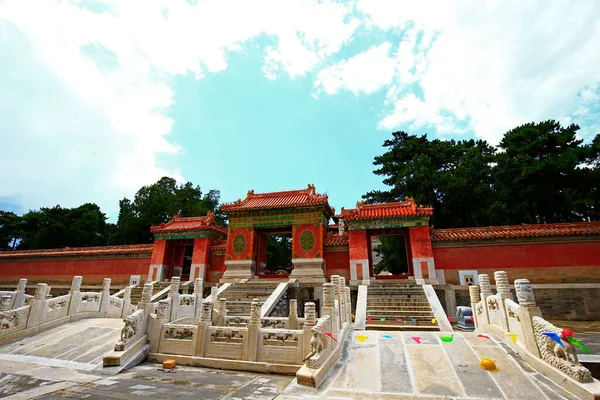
point(334, 239)
point(386, 210)
point(283, 199)
point(132, 249)
point(183, 224)
point(516, 231)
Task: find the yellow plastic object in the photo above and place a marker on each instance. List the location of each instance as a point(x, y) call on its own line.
point(488, 365)
point(169, 364)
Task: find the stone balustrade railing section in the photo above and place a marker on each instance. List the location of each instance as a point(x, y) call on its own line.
point(15, 299)
point(43, 311)
point(520, 322)
point(308, 343)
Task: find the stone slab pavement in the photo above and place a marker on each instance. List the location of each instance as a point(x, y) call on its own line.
point(29, 381)
point(392, 365)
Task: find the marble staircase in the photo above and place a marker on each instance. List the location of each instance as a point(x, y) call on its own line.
point(402, 307)
point(239, 295)
point(136, 292)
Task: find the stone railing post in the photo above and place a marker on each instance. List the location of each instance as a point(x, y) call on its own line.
point(174, 295)
point(293, 314)
point(484, 285)
point(75, 293)
point(162, 317)
point(37, 305)
point(221, 313)
point(214, 294)
point(503, 293)
point(527, 310)
point(126, 302)
point(348, 305)
point(253, 327)
point(105, 295)
point(310, 320)
point(198, 283)
point(474, 295)
point(146, 303)
point(329, 305)
point(335, 280)
point(20, 297)
point(203, 324)
point(343, 305)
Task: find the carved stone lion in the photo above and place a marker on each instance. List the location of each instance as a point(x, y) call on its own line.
point(128, 330)
point(558, 359)
point(5, 323)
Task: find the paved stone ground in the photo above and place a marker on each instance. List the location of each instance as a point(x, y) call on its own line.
point(140, 382)
point(386, 365)
point(392, 365)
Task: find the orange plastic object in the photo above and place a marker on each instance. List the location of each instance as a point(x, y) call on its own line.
point(168, 364)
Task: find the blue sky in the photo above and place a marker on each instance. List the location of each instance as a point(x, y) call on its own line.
point(99, 98)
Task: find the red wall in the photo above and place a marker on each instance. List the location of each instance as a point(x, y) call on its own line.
point(62, 271)
point(574, 261)
point(420, 241)
point(337, 263)
point(216, 268)
point(357, 241)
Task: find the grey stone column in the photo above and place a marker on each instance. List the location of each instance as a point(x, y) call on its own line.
point(293, 314)
point(105, 295)
point(203, 324)
point(75, 293)
point(126, 302)
point(198, 284)
point(253, 330)
point(174, 295)
point(474, 295)
point(484, 285)
point(20, 297)
point(37, 305)
point(524, 291)
point(503, 293)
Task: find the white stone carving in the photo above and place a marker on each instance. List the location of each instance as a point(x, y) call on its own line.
point(547, 350)
point(524, 291)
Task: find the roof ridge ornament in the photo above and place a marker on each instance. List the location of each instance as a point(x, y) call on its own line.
point(250, 192)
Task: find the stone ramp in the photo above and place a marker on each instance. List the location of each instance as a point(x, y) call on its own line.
point(78, 345)
point(392, 365)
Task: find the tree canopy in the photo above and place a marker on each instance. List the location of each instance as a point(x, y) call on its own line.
point(539, 173)
point(86, 225)
point(157, 203)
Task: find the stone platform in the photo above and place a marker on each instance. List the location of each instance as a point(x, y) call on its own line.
point(391, 365)
point(77, 345)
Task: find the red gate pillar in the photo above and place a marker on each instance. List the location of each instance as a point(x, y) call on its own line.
point(162, 253)
point(422, 252)
point(200, 258)
point(359, 255)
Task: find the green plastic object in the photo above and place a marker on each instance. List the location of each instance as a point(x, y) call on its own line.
point(580, 345)
point(447, 339)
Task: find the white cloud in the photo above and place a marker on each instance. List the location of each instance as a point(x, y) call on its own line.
point(489, 66)
point(365, 72)
point(123, 109)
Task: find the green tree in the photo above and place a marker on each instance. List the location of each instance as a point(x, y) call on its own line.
point(279, 253)
point(455, 178)
point(11, 230)
point(158, 203)
point(58, 227)
point(546, 174)
point(392, 250)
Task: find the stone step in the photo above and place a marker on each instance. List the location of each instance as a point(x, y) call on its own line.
point(400, 327)
point(400, 313)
